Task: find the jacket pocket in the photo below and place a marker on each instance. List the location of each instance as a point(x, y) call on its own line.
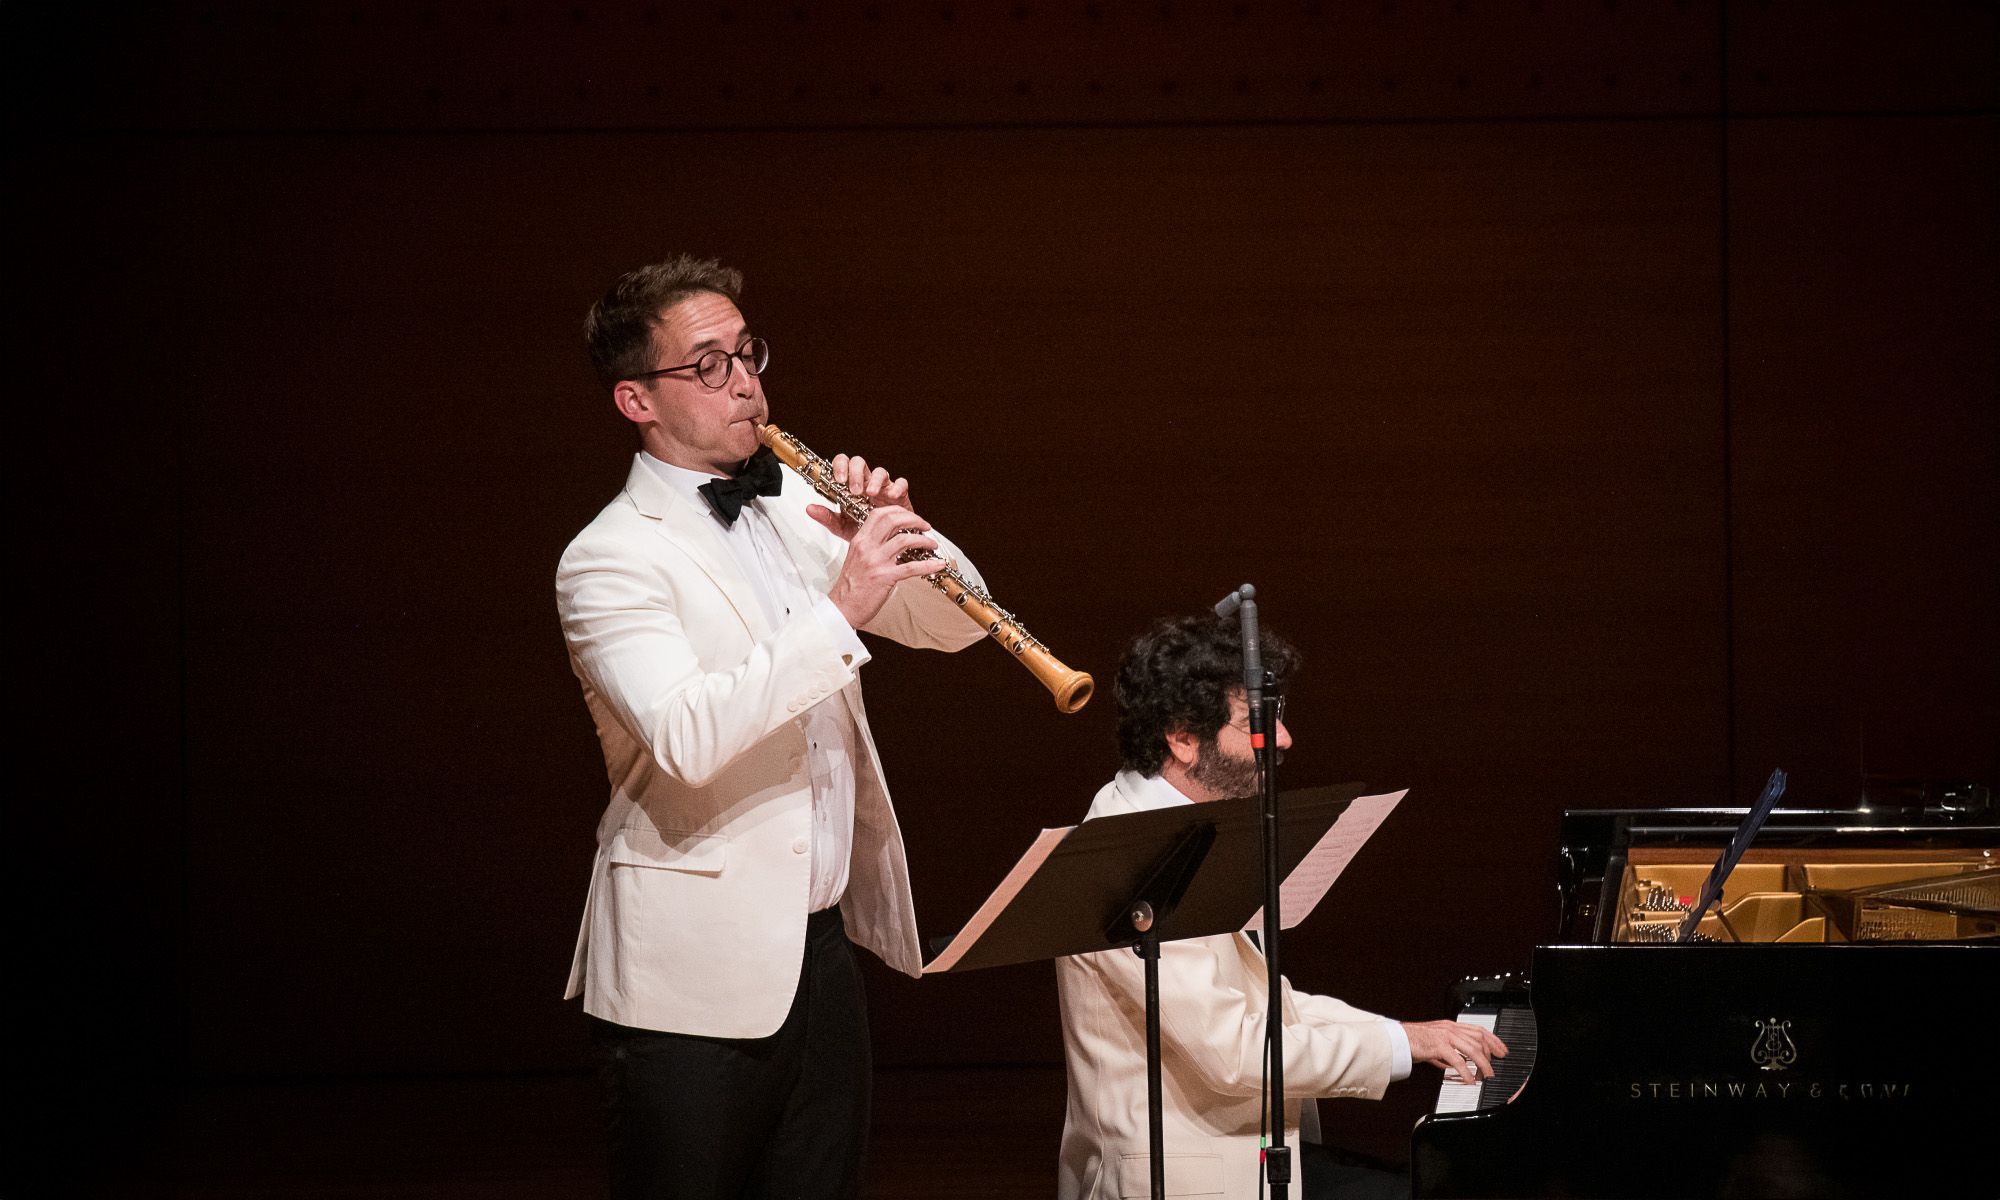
point(1188, 1174)
point(667, 849)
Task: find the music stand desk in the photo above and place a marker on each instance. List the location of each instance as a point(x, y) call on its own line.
point(1138, 879)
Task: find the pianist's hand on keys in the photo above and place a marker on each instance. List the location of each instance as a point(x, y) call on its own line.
point(1455, 1048)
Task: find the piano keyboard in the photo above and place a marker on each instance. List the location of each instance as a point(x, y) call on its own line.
point(1515, 1025)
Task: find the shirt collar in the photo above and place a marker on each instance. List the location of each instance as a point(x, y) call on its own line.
point(1150, 791)
point(682, 480)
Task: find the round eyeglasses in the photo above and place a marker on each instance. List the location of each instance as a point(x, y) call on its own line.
point(713, 367)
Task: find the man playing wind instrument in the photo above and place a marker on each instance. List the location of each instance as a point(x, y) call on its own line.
point(711, 615)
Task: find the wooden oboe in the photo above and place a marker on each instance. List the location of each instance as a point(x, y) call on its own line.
point(1071, 689)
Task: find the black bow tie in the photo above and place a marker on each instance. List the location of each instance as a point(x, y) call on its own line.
point(761, 476)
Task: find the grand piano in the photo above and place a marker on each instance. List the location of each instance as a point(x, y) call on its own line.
point(1832, 1029)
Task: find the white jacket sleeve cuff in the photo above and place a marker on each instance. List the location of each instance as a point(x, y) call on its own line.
point(840, 633)
point(1399, 1050)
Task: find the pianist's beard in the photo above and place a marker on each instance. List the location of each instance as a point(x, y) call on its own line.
point(1227, 775)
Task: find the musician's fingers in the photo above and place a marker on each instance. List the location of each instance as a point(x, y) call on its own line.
point(918, 568)
point(839, 468)
point(898, 492)
point(877, 480)
point(1475, 1053)
point(1494, 1046)
point(856, 475)
point(1445, 1058)
point(887, 547)
point(1481, 1065)
point(833, 522)
point(890, 520)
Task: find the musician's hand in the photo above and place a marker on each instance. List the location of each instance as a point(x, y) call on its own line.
point(871, 570)
point(1464, 1052)
point(872, 484)
point(875, 486)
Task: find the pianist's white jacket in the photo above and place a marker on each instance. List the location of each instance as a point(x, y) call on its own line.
point(1212, 1012)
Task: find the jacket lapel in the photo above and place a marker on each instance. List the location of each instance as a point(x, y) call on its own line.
point(692, 529)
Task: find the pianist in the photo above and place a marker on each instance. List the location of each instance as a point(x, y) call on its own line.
point(1183, 735)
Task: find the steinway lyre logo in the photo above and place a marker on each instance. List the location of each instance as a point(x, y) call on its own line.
point(1773, 1049)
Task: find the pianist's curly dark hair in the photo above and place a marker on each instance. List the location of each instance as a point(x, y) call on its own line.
point(1179, 675)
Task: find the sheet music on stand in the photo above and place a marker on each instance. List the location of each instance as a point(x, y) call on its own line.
point(1746, 832)
point(1034, 914)
point(1309, 881)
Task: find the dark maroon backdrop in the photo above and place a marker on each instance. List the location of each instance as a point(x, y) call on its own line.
point(1620, 381)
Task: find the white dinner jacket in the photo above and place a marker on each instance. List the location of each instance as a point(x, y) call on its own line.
point(1212, 1012)
point(695, 920)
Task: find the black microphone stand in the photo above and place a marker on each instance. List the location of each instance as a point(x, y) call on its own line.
point(1263, 713)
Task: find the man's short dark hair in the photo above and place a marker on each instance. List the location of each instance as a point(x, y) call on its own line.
point(619, 329)
point(1179, 675)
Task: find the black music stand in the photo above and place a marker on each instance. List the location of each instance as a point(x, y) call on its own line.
point(1139, 879)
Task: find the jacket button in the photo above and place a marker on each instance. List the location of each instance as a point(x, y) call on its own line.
point(800, 845)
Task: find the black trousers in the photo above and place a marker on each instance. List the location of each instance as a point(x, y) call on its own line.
point(781, 1116)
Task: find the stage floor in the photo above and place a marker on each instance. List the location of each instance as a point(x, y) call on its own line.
point(961, 1132)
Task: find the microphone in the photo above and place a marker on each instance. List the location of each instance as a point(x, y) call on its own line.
point(1227, 606)
point(1242, 603)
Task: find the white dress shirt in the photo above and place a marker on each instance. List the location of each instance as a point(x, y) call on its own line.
point(1153, 791)
point(832, 740)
